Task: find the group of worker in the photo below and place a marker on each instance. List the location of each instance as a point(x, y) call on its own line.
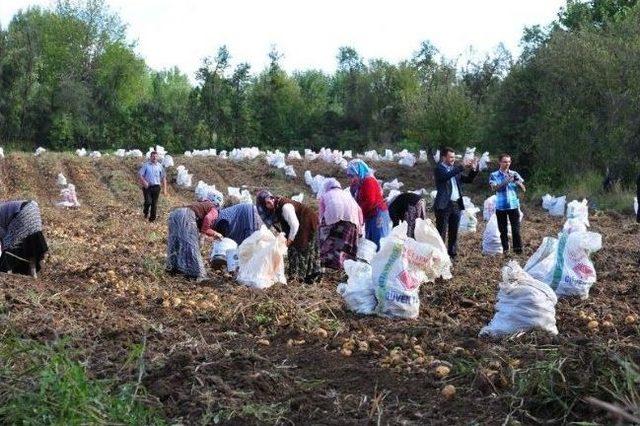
point(324, 239)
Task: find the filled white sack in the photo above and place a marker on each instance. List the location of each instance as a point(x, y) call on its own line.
point(524, 304)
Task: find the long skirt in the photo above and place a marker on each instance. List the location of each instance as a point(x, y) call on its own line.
point(337, 243)
point(304, 265)
point(23, 242)
point(183, 245)
point(378, 227)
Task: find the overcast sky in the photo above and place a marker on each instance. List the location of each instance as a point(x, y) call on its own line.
point(172, 32)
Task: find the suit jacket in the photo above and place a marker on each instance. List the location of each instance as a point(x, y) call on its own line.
point(443, 184)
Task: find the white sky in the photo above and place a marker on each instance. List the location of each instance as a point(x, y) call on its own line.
point(182, 32)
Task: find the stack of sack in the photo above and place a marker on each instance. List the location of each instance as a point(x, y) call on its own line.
point(394, 184)
point(483, 163)
point(554, 205)
point(183, 179)
point(69, 198)
point(261, 259)
point(491, 244)
point(203, 190)
point(564, 263)
point(294, 155)
point(468, 219)
point(315, 182)
point(397, 271)
point(524, 303)
point(239, 196)
point(577, 216)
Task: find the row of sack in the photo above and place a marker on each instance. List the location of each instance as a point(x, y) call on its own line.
point(385, 282)
point(527, 296)
point(560, 267)
point(277, 158)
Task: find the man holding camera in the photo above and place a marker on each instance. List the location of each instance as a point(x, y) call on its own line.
point(505, 183)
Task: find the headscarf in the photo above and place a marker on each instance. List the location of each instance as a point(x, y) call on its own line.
point(215, 197)
point(358, 168)
point(337, 205)
point(331, 183)
point(268, 217)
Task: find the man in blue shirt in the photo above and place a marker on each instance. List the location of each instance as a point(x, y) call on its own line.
point(506, 183)
point(151, 175)
point(448, 202)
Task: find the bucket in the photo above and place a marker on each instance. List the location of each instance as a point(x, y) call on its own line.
point(218, 256)
point(232, 260)
point(366, 250)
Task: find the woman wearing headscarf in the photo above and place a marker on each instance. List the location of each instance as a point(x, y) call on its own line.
point(408, 207)
point(341, 224)
point(23, 244)
point(299, 223)
point(368, 193)
point(186, 224)
point(238, 222)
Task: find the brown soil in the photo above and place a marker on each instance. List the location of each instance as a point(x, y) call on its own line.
point(206, 357)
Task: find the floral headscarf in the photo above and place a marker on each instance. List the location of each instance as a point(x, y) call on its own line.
point(359, 169)
point(215, 197)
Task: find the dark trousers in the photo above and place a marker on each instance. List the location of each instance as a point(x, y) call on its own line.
point(513, 215)
point(448, 220)
point(151, 195)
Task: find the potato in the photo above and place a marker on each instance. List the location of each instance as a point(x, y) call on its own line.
point(592, 325)
point(630, 319)
point(448, 391)
point(321, 332)
point(346, 352)
point(441, 371)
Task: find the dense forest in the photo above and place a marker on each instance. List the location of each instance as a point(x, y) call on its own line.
point(568, 105)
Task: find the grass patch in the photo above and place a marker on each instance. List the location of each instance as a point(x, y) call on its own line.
point(153, 266)
point(589, 186)
point(42, 384)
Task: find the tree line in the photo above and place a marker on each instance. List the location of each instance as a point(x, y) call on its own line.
point(70, 78)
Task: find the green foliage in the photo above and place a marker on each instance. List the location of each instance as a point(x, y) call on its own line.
point(43, 385)
point(567, 107)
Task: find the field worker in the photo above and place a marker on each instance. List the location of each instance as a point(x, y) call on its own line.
point(368, 193)
point(300, 226)
point(186, 224)
point(505, 183)
point(341, 223)
point(150, 177)
point(408, 207)
point(448, 202)
point(21, 238)
point(238, 222)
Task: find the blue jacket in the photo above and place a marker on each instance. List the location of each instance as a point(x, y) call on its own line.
point(443, 184)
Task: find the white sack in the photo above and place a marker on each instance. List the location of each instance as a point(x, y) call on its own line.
point(358, 292)
point(524, 303)
point(261, 259)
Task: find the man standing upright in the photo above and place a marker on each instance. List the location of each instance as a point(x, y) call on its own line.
point(505, 183)
point(151, 175)
point(448, 203)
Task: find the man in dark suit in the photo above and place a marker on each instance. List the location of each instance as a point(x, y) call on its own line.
point(448, 203)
